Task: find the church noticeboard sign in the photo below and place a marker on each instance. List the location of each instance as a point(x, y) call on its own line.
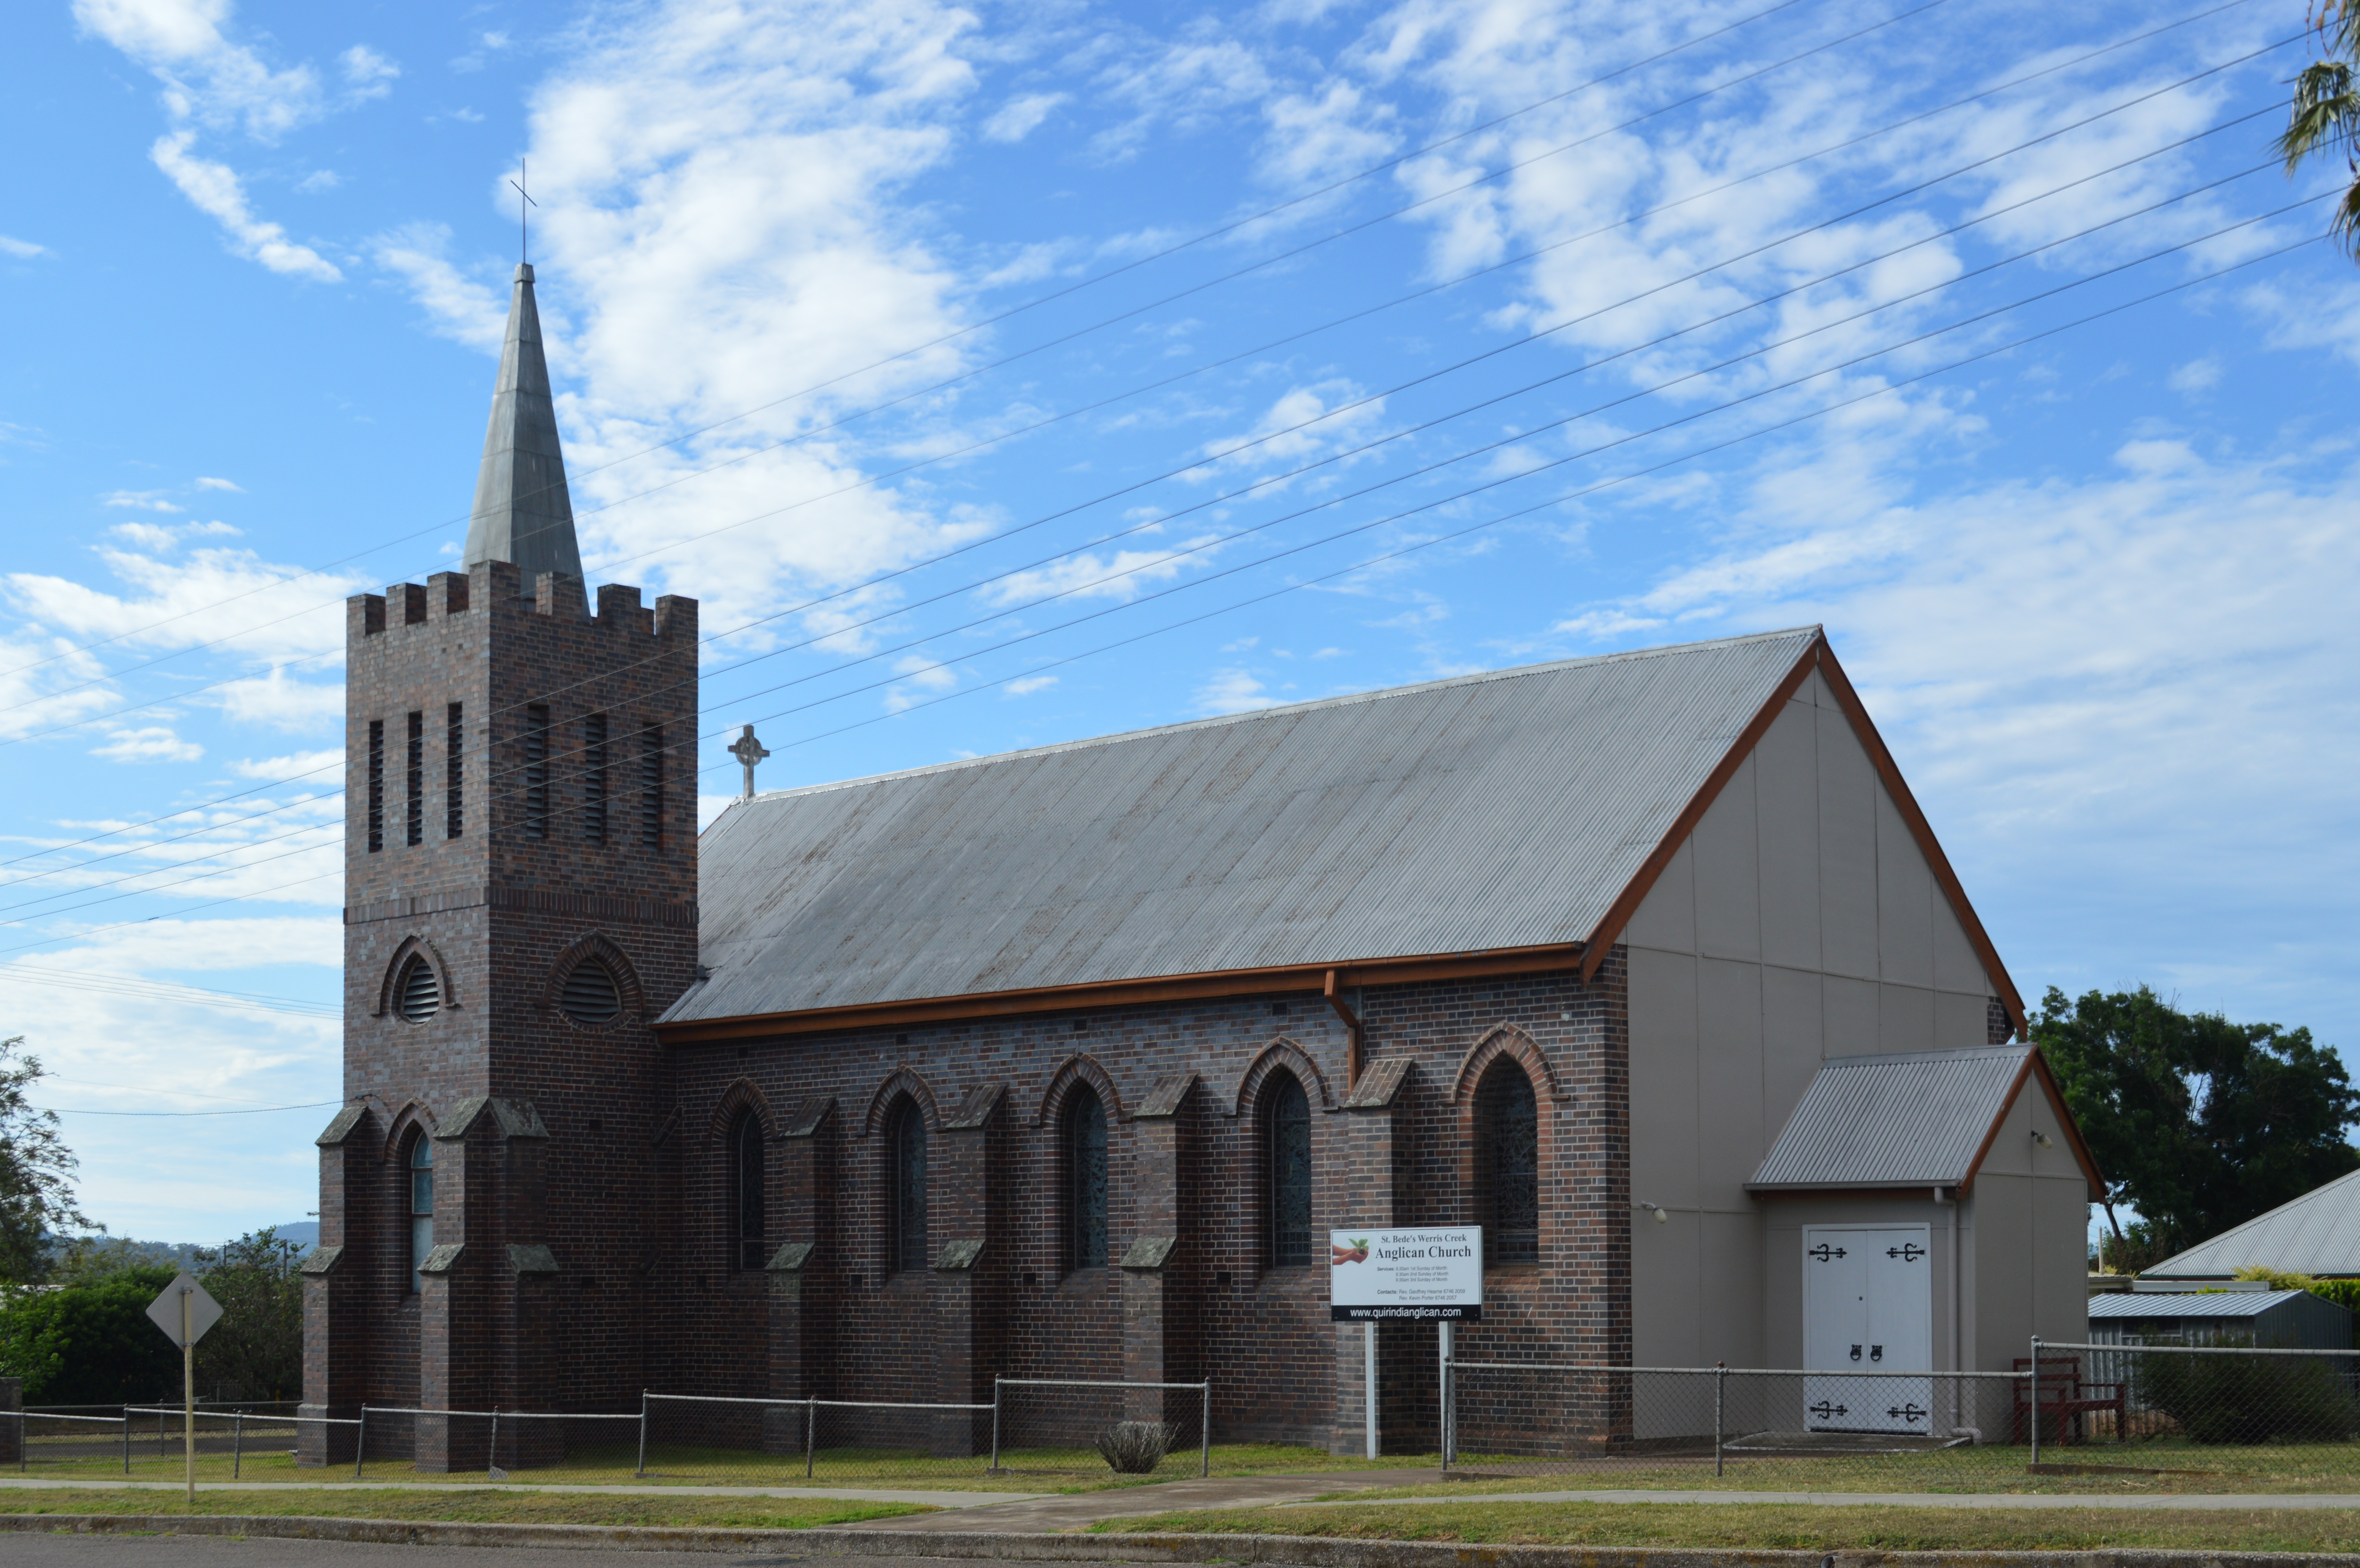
point(1433, 1275)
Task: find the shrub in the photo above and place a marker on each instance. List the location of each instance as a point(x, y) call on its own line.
point(1136, 1447)
point(88, 1341)
point(2250, 1399)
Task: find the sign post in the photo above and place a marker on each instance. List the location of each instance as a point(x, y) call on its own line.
point(1376, 1274)
point(185, 1312)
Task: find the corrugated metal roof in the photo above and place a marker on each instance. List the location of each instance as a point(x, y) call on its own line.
point(1914, 1119)
point(2220, 1305)
point(2318, 1233)
point(1505, 810)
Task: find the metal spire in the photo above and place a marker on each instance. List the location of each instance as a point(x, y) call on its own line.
point(522, 511)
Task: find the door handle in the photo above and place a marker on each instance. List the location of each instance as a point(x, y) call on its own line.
point(1855, 1353)
point(1876, 1353)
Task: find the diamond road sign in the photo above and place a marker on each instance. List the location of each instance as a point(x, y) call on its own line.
point(164, 1312)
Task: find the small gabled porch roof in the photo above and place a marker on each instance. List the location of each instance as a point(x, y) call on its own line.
point(1911, 1119)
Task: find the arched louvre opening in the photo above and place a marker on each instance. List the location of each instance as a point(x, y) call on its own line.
point(749, 1174)
point(1288, 1131)
point(906, 1198)
point(418, 994)
point(1086, 1179)
point(421, 1207)
point(590, 996)
point(1507, 1164)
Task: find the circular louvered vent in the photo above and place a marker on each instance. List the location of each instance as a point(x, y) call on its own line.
point(590, 994)
point(420, 994)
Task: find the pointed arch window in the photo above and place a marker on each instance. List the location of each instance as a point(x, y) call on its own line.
point(905, 1149)
point(1507, 1164)
point(418, 994)
point(748, 1176)
point(1086, 1179)
point(1288, 1129)
point(421, 1207)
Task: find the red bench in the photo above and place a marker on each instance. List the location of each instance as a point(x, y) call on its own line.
point(2061, 1397)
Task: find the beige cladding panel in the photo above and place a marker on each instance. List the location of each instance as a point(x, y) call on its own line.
point(1793, 1025)
point(1851, 1011)
point(1664, 1086)
point(1962, 1021)
point(1665, 919)
point(1730, 1261)
point(1849, 792)
point(1787, 783)
point(1904, 900)
point(1668, 1283)
point(1733, 1122)
point(1728, 872)
point(1905, 1019)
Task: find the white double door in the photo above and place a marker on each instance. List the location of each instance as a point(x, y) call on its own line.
point(1868, 1302)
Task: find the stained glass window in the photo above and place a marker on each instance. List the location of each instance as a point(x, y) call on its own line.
point(907, 1146)
point(1507, 1165)
point(1086, 1179)
point(747, 1169)
point(1289, 1125)
point(421, 1207)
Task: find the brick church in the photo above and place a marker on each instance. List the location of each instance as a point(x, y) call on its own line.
point(1062, 1062)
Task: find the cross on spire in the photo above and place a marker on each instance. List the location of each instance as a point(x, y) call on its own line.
point(749, 751)
point(524, 200)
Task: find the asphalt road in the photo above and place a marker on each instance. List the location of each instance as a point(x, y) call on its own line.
point(29, 1551)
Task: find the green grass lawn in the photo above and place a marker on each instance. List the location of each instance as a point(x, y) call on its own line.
point(473, 1504)
point(2156, 1466)
point(1777, 1525)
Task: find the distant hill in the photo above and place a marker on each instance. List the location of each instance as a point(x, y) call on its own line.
point(304, 1231)
point(305, 1234)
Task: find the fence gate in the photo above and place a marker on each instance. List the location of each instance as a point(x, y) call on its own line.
point(1868, 1301)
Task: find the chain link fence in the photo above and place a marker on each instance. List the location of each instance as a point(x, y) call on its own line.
point(2161, 1417)
point(77, 1439)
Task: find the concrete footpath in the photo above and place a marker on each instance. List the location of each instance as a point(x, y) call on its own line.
point(936, 1499)
point(68, 1540)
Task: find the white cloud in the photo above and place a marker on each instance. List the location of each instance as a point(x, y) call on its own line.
point(207, 482)
point(368, 73)
point(152, 742)
point(1234, 691)
point(179, 597)
point(319, 179)
point(1024, 686)
point(1019, 117)
point(462, 308)
point(278, 702)
point(213, 83)
point(2196, 375)
point(146, 500)
point(23, 249)
point(311, 767)
point(215, 190)
point(920, 675)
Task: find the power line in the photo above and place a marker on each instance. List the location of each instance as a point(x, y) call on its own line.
point(256, 1111)
point(1428, 424)
point(164, 991)
point(1077, 287)
point(1879, 391)
point(1754, 352)
point(881, 477)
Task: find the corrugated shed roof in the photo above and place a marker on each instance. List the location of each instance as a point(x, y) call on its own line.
point(2220, 1305)
point(1497, 811)
point(1914, 1119)
point(2318, 1233)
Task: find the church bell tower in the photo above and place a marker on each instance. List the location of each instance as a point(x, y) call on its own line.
point(519, 903)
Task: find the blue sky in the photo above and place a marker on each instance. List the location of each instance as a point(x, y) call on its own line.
point(1576, 328)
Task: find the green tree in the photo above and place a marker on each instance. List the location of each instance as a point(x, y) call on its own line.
point(2327, 110)
point(2199, 1123)
point(256, 1352)
point(36, 1172)
point(86, 1340)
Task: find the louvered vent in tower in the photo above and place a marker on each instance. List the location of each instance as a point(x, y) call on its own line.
point(590, 994)
point(419, 992)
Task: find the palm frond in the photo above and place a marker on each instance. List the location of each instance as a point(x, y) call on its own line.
point(2345, 229)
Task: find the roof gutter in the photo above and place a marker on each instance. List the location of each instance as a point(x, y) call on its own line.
point(1326, 980)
